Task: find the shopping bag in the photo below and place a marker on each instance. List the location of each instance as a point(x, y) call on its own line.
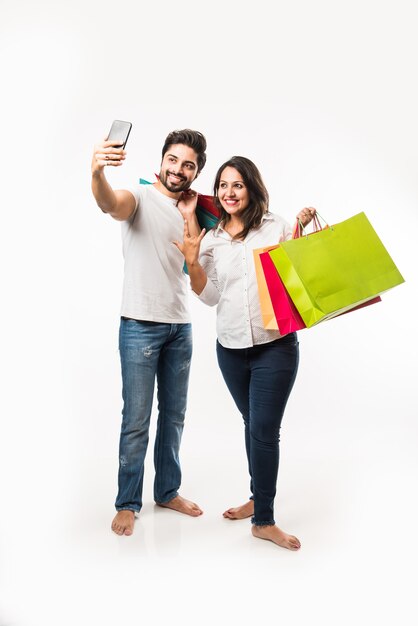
point(267, 312)
point(286, 314)
point(316, 225)
point(336, 269)
point(277, 309)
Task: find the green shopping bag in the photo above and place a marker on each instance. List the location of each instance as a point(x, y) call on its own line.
point(335, 269)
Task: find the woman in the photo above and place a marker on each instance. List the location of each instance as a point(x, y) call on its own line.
point(258, 365)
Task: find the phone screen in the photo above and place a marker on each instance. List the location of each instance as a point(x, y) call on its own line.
point(120, 132)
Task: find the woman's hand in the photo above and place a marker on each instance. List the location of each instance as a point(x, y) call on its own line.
point(187, 203)
point(306, 215)
point(191, 245)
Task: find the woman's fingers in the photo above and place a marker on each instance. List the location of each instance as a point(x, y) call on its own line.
point(308, 211)
point(192, 240)
point(306, 215)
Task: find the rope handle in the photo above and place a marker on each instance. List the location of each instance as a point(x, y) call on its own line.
point(299, 229)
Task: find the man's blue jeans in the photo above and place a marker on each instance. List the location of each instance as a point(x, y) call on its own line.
point(260, 380)
point(149, 351)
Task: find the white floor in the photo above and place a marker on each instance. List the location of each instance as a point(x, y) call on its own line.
point(323, 98)
point(347, 489)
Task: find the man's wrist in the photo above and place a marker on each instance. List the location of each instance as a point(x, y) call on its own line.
point(97, 173)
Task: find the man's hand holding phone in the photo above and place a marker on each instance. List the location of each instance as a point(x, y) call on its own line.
point(111, 150)
point(107, 153)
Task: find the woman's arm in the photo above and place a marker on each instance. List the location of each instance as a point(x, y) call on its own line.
point(190, 250)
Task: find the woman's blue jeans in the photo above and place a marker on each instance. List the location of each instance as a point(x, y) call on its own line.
point(260, 380)
point(152, 351)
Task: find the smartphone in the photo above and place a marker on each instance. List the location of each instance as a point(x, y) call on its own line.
point(119, 131)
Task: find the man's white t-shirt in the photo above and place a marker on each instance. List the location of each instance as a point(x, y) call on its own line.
point(155, 287)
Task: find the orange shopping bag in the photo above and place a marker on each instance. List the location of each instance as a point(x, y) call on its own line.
point(266, 306)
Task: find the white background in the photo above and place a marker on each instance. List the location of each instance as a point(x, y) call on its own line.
point(323, 97)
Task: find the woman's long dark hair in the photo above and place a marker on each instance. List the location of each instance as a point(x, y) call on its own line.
point(258, 194)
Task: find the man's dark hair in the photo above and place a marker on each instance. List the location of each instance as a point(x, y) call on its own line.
point(258, 194)
point(191, 138)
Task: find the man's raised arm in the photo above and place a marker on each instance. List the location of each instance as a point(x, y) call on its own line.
point(119, 204)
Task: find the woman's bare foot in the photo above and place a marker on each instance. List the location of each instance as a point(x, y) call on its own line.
point(182, 506)
point(240, 512)
point(123, 523)
point(274, 534)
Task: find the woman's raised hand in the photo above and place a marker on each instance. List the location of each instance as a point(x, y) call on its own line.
point(191, 245)
point(306, 215)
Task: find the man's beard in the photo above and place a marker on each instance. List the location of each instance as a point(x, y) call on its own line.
point(182, 185)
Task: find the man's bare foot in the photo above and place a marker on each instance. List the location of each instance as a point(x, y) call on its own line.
point(123, 522)
point(274, 534)
point(240, 512)
point(182, 506)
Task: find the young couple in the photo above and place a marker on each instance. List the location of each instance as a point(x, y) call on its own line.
point(159, 232)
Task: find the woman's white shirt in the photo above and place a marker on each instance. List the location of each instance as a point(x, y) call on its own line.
point(232, 281)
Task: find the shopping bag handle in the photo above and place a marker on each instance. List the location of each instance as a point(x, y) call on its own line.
point(299, 229)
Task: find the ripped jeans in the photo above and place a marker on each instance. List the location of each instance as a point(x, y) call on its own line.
point(149, 351)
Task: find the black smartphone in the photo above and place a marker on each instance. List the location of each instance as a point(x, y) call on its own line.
point(119, 132)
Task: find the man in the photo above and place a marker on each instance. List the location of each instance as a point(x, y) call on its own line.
point(155, 340)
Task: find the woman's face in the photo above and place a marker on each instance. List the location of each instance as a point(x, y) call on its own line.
point(232, 192)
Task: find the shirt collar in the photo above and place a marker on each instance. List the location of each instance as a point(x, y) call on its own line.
point(219, 230)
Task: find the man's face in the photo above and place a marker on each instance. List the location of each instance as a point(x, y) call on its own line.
point(178, 168)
